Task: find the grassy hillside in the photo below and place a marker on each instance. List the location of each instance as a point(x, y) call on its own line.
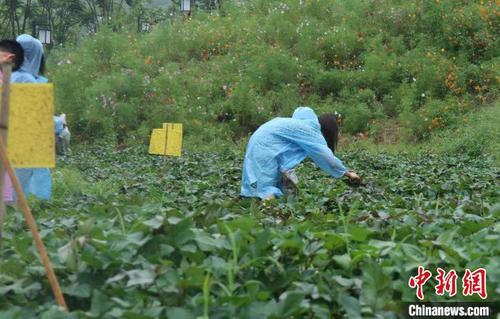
point(420, 66)
point(478, 134)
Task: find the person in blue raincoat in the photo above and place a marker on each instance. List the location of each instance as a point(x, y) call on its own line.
point(36, 181)
point(281, 144)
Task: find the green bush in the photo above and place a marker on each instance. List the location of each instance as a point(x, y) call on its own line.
point(380, 73)
point(433, 117)
point(468, 28)
point(271, 70)
point(245, 110)
point(329, 83)
point(475, 135)
point(340, 47)
point(355, 117)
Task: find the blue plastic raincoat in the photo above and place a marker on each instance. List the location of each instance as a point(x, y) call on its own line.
point(281, 144)
point(37, 181)
point(33, 51)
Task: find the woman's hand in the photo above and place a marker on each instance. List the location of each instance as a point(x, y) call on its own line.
point(352, 176)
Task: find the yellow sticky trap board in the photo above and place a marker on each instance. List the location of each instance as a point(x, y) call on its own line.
point(31, 138)
point(166, 140)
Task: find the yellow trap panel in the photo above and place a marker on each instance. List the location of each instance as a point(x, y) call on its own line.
point(31, 139)
point(167, 140)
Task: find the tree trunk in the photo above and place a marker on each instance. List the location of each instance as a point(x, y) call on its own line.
point(27, 14)
point(12, 17)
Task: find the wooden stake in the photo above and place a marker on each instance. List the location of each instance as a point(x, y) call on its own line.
point(165, 166)
point(4, 129)
point(30, 220)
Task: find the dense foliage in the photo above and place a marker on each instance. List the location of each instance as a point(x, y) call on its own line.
point(421, 63)
point(69, 21)
point(133, 236)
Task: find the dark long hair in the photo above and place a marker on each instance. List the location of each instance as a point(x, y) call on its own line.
point(11, 46)
point(330, 130)
point(42, 65)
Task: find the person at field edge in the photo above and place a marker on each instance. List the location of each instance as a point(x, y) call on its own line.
point(63, 135)
point(36, 181)
point(282, 143)
point(10, 51)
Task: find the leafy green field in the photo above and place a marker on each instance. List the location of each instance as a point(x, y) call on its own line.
point(133, 236)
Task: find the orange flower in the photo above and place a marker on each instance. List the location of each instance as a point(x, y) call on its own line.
point(435, 123)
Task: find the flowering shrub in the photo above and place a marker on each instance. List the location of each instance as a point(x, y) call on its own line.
point(260, 59)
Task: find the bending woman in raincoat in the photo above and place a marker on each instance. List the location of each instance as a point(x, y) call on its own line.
point(281, 144)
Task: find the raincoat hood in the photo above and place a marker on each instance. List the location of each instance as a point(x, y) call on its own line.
point(33, 51)
point(305, 113)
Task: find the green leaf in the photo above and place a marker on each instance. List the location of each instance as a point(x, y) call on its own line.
point(208, 243)
point(140, 277)
point(261, 310)
point(376, 285)
point(350, 305)
point(321, 312)
point(117, 277)
point(343, 260)
point(20, 288)
point(137, 239)
point(345, 282)
point(359, 233)
point(333, 241)
point(495, 210)
point(182, 232)
point(99, 304)
point(155, 222)
point(290, 303)
point(76, 289)
point(469, 227)
point(179, 313)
